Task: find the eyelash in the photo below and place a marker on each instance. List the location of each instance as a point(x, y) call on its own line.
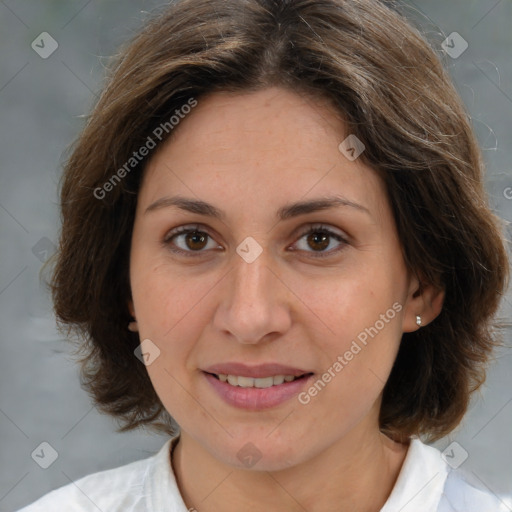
point(317, 228)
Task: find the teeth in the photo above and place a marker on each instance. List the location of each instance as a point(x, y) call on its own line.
point(251, 382)
point(245, 382)
point(279, 379)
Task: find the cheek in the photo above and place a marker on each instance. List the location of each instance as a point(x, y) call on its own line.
point(358, 319)
point(346, 305)
point(165, 298)
point(171, 313)
point(173, 309)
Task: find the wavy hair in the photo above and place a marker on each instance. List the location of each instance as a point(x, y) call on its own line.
point(393, 93)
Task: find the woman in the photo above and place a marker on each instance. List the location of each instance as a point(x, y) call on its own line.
point(275, 235)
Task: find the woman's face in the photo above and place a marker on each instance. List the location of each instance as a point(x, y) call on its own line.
point(252, 294)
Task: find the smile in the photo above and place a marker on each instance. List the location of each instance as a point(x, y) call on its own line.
point(259, 392)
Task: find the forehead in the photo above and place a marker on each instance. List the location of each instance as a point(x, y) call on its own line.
point(259, 148)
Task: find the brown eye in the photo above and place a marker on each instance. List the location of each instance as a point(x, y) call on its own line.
point(318, 239)
point(189, 240)
point(196, 240)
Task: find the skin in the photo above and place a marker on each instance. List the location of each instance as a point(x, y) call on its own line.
point(250, 154)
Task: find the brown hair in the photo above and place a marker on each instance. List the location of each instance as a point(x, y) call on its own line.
point(394, 95)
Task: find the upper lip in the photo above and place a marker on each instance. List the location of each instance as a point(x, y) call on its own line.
point(256, 371)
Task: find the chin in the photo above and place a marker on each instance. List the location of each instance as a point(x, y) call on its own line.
point(259, 452)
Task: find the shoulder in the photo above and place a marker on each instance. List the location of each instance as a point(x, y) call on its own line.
point(427, 483)
point(464, 493)
point(120, 489)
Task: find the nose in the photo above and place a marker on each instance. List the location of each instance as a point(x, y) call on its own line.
point(254, 305)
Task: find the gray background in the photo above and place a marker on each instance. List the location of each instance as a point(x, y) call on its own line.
point(41, 104)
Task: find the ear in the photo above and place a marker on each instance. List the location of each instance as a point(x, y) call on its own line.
point(131, 309)
point(424, 300)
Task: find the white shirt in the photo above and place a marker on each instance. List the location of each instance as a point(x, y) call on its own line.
point(425, 484)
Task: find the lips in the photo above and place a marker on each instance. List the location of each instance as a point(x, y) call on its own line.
point(256, 387)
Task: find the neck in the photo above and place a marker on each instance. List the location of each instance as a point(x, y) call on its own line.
point(357, 473)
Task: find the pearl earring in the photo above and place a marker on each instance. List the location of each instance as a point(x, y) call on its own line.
point(418, 320)
point(132, 326)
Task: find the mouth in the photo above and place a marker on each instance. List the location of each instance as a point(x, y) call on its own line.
point(256, 387)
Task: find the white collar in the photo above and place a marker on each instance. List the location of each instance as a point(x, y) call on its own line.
point(160, 486)
point(421, 480)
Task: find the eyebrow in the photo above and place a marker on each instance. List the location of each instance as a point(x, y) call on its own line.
point(286, 212)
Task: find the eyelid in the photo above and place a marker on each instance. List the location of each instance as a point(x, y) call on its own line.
point(309, 227)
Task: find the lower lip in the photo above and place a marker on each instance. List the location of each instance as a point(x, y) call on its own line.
point(257, 398)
